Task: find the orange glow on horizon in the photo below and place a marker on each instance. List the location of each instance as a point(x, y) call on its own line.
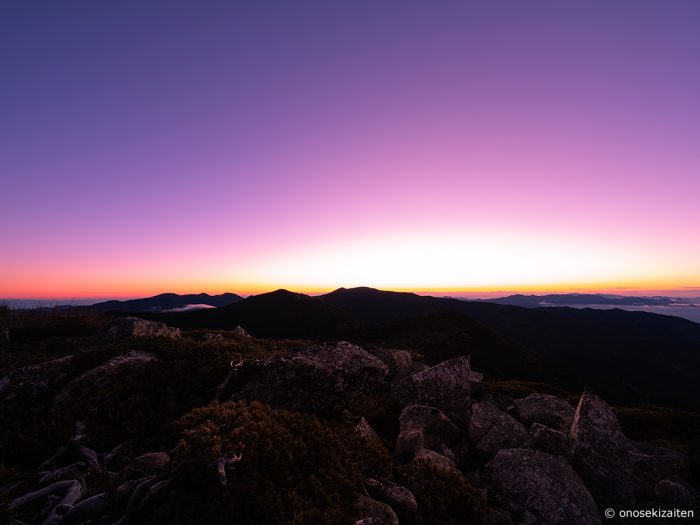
point(246, 289)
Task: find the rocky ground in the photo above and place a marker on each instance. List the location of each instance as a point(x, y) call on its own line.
point(308, 432)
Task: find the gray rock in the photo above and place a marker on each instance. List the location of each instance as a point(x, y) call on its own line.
point(423, 427)
point(492, 430)
point(399, 498)
point(549, 440)
point(446, 386)
point(546, 409)
point(96, 382)
point(322, 379)
point(437, 460)
point(365, 431)
point(135, 327)
point(601, 456)
point(531, 483)
point(399, 362)
point(651, 464)
point(373, 512)
point(30, 383)
point(347, 358)
point(153, 460)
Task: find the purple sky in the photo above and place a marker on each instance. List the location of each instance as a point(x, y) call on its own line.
point(211, 146)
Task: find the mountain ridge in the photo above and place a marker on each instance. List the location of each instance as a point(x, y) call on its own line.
point(165, 301)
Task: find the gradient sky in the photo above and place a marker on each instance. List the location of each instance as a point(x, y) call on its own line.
point(434, 145)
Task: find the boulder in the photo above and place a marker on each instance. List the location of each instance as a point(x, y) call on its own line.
point(135, 327)
point(549, 440)
point(373, 512)
point(546, 409)
point(30, 384)
point(492, 430)
point(651, 464)
point(423, 427)
point(152, 460)
point(446, 386)
point(437, 460)
point(322, 378)
point(399, 362)
point(97, 381)
point(600, 454)
point(531, 483)
point(348, 359)
point(399, 498)
point(365, 431)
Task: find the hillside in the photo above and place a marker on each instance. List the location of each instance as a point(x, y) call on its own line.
point(131, 421)
point(166, 301)
point(632, 356)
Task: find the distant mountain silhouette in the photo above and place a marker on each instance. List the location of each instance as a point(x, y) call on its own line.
point(281, 313)
point(166, 301)
point(374, 306)
point(535, 301)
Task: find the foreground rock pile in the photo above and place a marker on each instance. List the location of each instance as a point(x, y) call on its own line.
point(535, 460)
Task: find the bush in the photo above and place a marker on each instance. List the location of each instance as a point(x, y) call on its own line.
point(294, 468)
point(443, 497)
point(369, 456)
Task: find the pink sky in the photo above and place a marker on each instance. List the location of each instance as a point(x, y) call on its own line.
point(424, 146)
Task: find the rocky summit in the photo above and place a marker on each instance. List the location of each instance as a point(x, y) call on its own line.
point(143, 423)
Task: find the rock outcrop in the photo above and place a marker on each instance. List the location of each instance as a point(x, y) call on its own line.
point(400, 362)
point(97, 381)
point(545, 409)
point(549, 440)
point(652, 464)
point(399, 498)
point(536, 487)
point(31, 383)
point(373, 512)
point(535, 460)
point(422, 427)
point(601, 455)
point(323, 378)
point(135, 327)
point(492, 430)
point(446, 386)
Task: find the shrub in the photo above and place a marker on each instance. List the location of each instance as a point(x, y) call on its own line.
point(443, 497)
point(294, 468)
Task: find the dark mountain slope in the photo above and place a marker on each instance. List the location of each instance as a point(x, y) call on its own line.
point(655, 357)
point(444, 335)
point(374, 306)
point(276, 314)
point(166, 301)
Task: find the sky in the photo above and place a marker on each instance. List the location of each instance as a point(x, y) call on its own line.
point(433, 145)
